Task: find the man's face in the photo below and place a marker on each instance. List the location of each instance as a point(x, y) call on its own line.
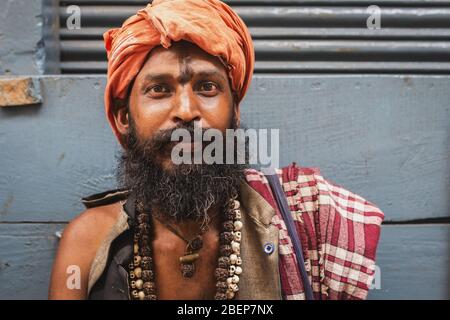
point(180, 85)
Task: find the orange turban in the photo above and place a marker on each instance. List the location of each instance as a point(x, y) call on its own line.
point(210, 24)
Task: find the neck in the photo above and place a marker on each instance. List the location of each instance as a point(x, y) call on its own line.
point(188, 228)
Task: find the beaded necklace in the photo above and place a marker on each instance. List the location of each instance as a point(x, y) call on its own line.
point(229, 266)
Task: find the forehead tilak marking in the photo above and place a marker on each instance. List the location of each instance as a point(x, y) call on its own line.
point(186, 72)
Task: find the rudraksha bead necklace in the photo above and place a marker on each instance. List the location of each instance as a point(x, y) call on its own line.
point(229, 267)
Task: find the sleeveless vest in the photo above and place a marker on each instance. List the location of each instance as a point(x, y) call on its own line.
point(113, 282)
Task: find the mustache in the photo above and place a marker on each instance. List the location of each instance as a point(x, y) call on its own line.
point(163, 138)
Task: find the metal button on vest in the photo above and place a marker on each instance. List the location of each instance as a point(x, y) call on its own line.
point(269, 248)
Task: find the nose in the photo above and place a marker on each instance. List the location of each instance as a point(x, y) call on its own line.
point(186, 106)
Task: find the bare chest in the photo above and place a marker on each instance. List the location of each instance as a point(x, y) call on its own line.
point(169, 281)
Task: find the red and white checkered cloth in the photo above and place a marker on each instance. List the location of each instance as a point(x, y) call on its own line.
point(338, 229)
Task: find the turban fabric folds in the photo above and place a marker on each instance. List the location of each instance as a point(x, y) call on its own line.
point(210, 24)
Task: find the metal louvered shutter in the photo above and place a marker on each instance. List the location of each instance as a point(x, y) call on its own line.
point(297, 36)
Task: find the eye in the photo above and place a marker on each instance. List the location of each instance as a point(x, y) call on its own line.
point(208, 88)
point(158, 90)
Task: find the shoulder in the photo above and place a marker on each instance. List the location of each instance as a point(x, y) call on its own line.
point(78, 246)
point(84, 234)
point(92, 225)
point(313, 187)
point(308, 185)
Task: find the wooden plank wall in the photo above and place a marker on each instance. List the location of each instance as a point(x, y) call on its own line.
point(385, 137)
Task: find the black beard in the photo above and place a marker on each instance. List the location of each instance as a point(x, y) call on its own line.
point(184, 192)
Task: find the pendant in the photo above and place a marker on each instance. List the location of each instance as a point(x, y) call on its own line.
point(187, 261)
point(187, 264)
point(189, 258)
point(187, 270)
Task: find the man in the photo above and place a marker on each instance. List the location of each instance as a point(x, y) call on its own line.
point(203, 231)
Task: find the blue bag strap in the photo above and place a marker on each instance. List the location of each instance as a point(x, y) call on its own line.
point(280, 198)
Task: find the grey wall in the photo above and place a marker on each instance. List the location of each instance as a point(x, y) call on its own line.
point(383, 137)
point(21, 37)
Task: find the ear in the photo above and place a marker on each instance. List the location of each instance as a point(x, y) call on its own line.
point(121, 119)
